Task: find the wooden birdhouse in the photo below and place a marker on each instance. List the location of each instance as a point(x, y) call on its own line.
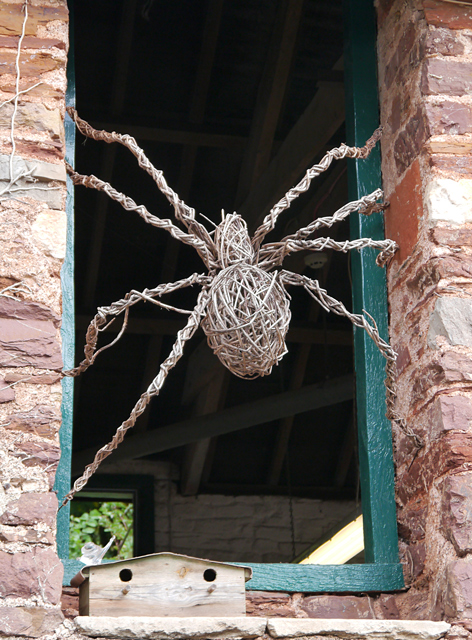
point(163, 584)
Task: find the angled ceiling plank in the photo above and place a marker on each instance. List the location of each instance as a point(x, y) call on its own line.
point(324, 198)
point(175, 136)
point(196, 115)
point(320, 121)
point(125, 39)
point(271, 95)
point(243, 416)
point(150, 370)
point(210, 400)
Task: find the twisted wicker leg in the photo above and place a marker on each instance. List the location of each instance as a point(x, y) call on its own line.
point(331, 304)
point(387, 248)
point(130, 205)
point(153, 390)
point(272, 254)
point(335, 154)
point(123, 305)
point(183, 212)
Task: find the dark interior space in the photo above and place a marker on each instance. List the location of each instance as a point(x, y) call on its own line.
point(233, 100)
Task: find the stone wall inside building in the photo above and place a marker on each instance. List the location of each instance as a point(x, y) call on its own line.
point(32, 246)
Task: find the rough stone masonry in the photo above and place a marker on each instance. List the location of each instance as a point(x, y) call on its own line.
point(32, 247)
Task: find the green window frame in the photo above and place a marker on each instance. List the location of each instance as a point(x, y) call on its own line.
point(382, 570)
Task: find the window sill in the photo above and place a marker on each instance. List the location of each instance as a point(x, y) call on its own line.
point(202, 628)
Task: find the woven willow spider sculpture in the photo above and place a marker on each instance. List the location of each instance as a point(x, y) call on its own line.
point(243, 307)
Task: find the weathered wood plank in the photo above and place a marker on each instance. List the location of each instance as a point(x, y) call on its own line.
point(166, 585)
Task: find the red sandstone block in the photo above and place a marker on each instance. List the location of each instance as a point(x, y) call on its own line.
point(383, 9)
point(31, 622)
point(413, 558)
point(453, 236)
point(451, 413)
point(458, 596)
point(30, 509)
point(338, 607)
point(33, 573)
point(444, 42)
point(42, 421)
point(450, 77)
point(7, 392)
point(30, 42)
point(266, 603)
point(412, 521)
point(457, 165)
point(457, 511)
point(406, 208)
point(42, 378)
point(31, 343)
point(404, 47)
point(387, 606)
point(453, 118)
point(410, 140)
point(442, 456)
point(445, 14)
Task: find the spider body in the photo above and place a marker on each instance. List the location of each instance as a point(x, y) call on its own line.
point(247, 319)
point(243, 306)
point(248, 314)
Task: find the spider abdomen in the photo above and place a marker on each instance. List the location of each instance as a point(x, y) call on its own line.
point(247, 319)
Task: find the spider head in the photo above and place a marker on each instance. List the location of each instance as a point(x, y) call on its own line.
point(232, 241)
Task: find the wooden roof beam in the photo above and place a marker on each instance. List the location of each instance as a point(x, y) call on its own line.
point(243, 416)
point(320, 121)
point(125, 39)
point(272, 90)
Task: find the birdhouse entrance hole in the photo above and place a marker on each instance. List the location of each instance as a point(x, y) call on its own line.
point(209, 575)
point(126, 575)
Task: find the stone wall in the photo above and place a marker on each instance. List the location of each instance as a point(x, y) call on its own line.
point(32, 246)
point(425, 69)
point(232, 528)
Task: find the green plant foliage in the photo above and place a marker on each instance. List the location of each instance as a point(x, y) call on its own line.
point(93, 521)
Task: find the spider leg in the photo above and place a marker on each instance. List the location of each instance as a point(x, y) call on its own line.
point(101, 320)
point(183, 213)
point(274, 252)
point(153, 390)
point(386, 247)
point(334, 154)
point(130, 205)
point(331, 304)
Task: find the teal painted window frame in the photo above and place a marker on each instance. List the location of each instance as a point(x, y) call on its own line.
point(382, 570)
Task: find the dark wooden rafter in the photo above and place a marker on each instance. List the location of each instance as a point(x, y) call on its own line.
point(319, 122)
point(118, 92)
point(243, 416)
point(322, 197)
point(272, 89)
point(186, 137)
point(210, 399)
point(196, 115)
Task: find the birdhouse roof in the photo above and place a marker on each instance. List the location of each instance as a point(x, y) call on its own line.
point(156, 558)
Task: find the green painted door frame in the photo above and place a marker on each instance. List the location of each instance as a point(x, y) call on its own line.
point(382, 570)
